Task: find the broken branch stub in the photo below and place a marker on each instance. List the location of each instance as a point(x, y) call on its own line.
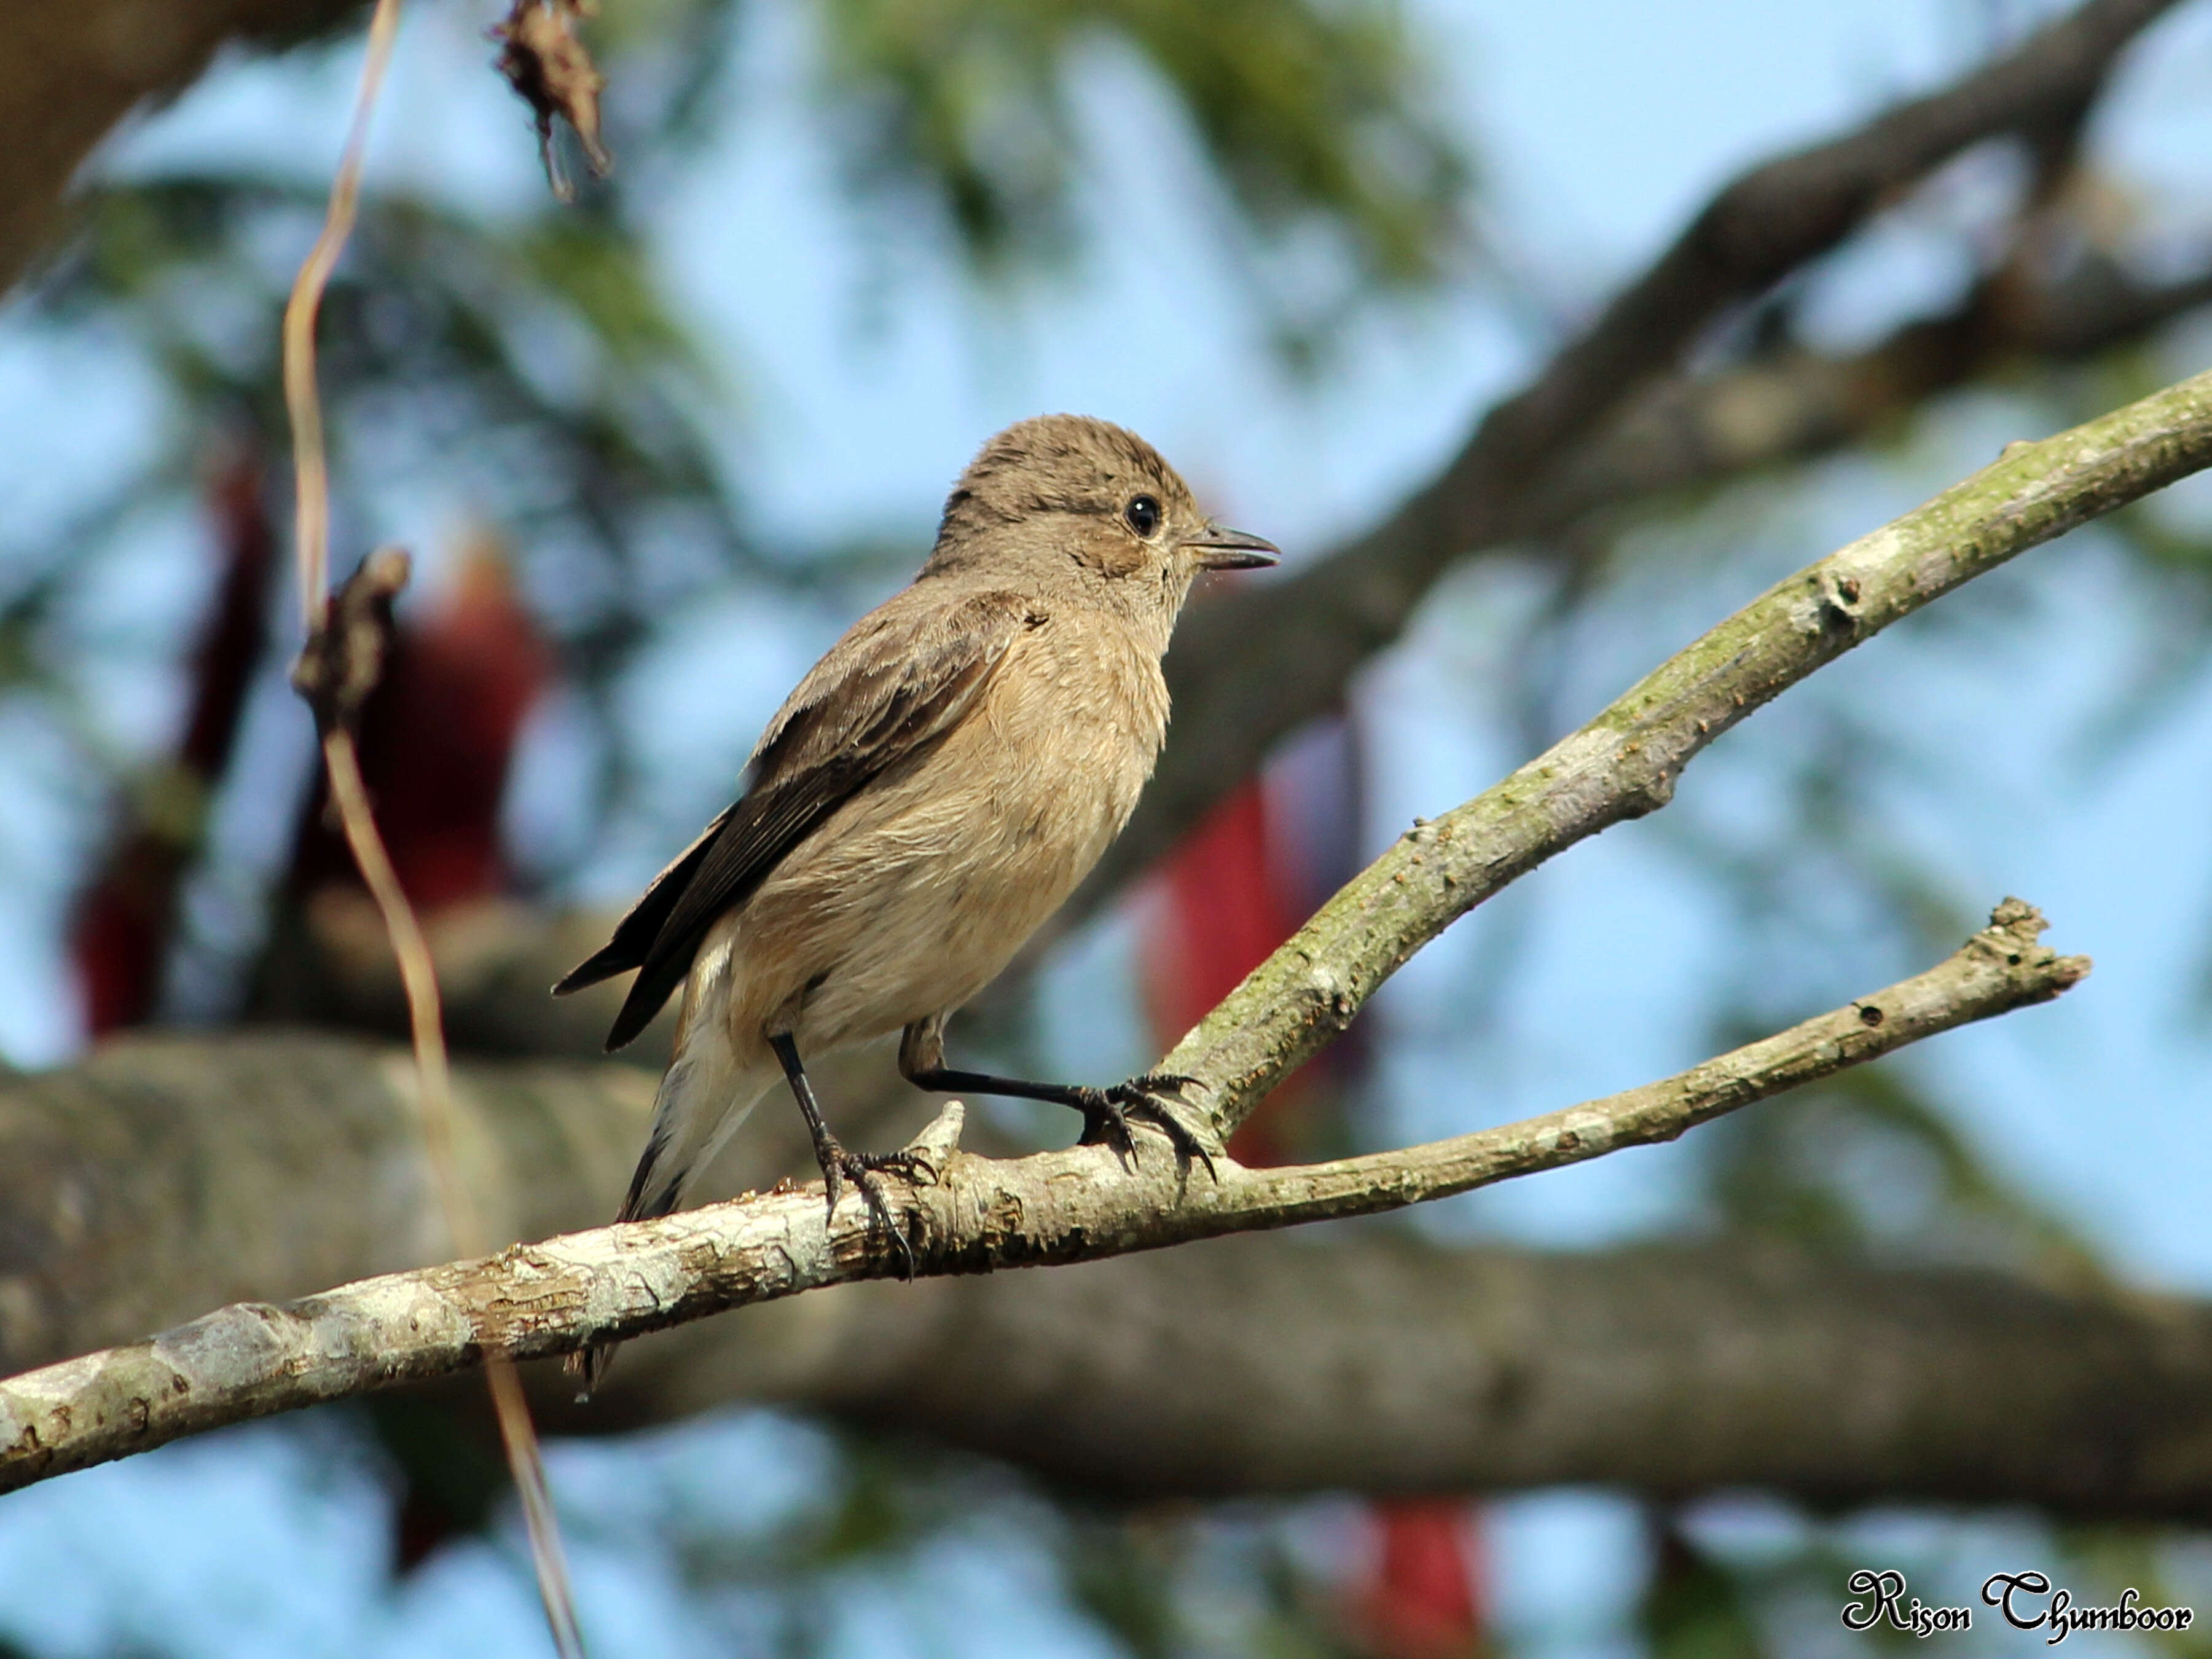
point(343, 659)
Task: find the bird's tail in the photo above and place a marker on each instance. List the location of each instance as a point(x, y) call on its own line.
point(706, 1093)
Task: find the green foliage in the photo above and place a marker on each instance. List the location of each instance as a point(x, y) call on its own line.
point(1318, 118)
point(2103, 1561)
point(533, 365)
point(1154, 1583)
point(1120, 1571)
point(880, 1504)
point(1694, 1608)
point(527, 367)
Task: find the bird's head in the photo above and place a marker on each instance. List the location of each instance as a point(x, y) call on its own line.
point(1079, 510)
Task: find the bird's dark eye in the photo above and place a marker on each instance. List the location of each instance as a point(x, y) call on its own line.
point(1143, 514)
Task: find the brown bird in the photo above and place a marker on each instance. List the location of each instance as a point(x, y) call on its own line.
point(932, 791)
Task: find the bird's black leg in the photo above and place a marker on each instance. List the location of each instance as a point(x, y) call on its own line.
point(1106, 1112)
point(838, 1164)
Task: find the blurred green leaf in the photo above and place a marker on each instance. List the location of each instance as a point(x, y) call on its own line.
point(1694, 1608)
point(1318, 118)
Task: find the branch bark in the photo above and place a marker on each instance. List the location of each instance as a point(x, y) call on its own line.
point(977, 1215)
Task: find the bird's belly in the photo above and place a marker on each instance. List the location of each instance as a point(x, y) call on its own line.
point(930, 944)
point(928, 889)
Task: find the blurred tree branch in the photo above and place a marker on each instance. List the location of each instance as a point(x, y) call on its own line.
point(1335, 613)
point(1230, 1369)
point(1791, 404)
point(69, 69)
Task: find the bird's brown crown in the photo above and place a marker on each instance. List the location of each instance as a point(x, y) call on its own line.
point(1085, 487)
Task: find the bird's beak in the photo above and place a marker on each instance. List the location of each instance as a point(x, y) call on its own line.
point(1231, 550)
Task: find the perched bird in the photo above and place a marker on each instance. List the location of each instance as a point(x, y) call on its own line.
point(932, 791)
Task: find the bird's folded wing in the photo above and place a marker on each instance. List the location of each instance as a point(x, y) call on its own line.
point(894, 687)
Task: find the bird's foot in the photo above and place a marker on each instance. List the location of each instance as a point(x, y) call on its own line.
point(839, 1166)
point(1107, 1114)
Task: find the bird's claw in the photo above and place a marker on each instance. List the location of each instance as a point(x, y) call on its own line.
point(839, 1166)
point(1107, 1113)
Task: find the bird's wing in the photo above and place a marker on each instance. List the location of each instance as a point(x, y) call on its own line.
point(902, 679)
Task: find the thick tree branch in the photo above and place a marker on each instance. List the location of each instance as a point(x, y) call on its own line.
point(977, 1215)
point(1278, 1363)
point(327, 965)
point(1231, 706)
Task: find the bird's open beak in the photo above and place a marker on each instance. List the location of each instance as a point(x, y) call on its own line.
point(1231, 550)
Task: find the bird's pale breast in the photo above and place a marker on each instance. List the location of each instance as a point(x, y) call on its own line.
point(923, 887)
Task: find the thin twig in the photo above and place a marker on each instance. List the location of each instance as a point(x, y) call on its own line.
point(419, 977)
point(434, 1093)
point(310, 464)
point(434, 1099)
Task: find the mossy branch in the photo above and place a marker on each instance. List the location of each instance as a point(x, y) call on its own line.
point(1625, 762)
